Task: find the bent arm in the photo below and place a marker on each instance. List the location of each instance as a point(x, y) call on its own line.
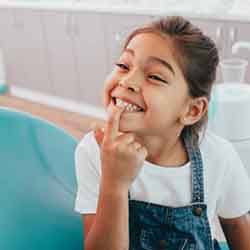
point(237, 232)
point(109, 230)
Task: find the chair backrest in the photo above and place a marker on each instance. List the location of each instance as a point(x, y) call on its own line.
point(224, 246)
point(37, 185)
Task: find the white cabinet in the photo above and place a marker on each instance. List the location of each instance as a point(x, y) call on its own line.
point(91, 56)
point(76, 54)
point(61, 56)
point(23, 46)
point(6, 27)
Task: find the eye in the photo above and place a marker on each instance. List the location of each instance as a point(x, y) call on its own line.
point(122, 66)
point(155, 77)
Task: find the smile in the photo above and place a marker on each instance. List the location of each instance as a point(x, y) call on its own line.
point(128, 106)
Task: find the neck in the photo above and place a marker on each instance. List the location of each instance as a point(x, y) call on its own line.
point(167, 152)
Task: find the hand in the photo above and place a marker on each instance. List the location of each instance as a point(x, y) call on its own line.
point(121, 156)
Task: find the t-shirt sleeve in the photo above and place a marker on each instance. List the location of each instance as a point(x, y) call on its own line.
point(87, 175)
point(235, 197)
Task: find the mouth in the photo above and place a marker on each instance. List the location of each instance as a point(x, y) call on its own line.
point(129, 107)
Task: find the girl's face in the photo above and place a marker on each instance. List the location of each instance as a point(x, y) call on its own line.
point(148, 65)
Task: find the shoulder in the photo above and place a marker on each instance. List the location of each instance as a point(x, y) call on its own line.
point(219, 157)
point(225, 175)
point(87, 147)
point(87, 142)
point(215, 146)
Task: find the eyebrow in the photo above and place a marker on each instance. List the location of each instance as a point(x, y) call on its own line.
point(153, 59)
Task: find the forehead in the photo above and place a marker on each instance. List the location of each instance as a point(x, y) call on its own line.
point(150, 44)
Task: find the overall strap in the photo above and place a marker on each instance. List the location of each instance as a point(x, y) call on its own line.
point(195, 158)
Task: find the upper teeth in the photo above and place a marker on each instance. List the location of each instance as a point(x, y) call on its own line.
point(128, 106)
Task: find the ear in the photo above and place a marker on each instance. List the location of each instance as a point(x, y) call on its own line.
point(195, 110)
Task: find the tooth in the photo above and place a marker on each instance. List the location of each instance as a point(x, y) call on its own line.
point(118, 102)
point(128, 106)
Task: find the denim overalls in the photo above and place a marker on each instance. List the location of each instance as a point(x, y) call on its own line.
point(155, 227)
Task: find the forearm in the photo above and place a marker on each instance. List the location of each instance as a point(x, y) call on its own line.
point(237, 232)
point(110, 229)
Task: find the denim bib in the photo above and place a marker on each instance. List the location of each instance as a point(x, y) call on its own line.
point(155, 227)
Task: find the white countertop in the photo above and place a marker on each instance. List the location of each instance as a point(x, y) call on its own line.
point(238, 10)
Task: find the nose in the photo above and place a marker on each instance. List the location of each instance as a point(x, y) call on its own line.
point(131, 87)
point(130, 83)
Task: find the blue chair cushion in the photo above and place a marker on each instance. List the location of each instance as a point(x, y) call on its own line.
point(224, 246)
point(38, 185)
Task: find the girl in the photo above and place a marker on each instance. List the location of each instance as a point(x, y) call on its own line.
point(154, 178)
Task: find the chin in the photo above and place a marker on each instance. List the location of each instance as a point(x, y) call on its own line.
point(123, 127)
point(129, 128)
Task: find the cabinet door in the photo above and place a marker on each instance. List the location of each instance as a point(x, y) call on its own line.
point(62, 65)
point(24, 49)
point(91, 56)
point(6, 27)
point(239, 31)
point(116, 28)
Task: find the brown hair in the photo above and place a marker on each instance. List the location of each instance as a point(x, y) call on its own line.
point(196, 55)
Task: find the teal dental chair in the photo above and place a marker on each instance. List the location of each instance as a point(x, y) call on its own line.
point(38, 185)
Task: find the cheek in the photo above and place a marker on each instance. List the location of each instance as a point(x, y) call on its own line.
point(162, 108)
point(155, 101)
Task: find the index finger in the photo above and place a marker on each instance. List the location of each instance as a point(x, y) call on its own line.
point(112, 125)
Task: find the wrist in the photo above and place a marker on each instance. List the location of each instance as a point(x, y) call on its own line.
point(113, 187)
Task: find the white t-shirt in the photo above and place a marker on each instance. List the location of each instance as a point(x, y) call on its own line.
point(226, 183)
